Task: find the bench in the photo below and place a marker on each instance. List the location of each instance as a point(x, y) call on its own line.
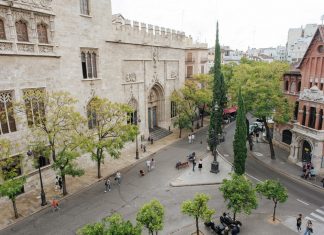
point(182, 165)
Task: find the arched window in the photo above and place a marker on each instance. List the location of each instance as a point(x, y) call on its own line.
point(299, 86)
point(84, 7)
point(89, 64)
point(2, 30)
point(7, 119)
point(286, 85)
point(91, 114)
point(42, 33)
point(286, 136)
point(312, 117)
point(304, 116)
point(173, 109)
point(22, 32)
point(132, 118)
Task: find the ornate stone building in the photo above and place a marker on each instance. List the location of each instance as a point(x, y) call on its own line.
point(79, 47)
point(305, 87)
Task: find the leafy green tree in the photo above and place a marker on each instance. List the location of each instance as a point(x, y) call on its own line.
point(239, 144)
point(10, 183)
point(219, 95)
point(198, 209)
point(110, 131)
point(273, 190)
point(151, 215)
point(260, 83)
point(182, 121)
point(55, 117)
point(239, 194)
point(113, 225)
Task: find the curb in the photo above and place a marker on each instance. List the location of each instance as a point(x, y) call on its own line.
point(123, 169)
point(297, 179)
point(198, 184)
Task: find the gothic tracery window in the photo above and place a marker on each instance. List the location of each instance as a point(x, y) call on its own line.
point(89, 64)
point(2, 31)
point(84, 6)
point(91, 114)
point(34, 103)
point(173, 109)
point(22, 31)
point(42, 33)
point(7, 120)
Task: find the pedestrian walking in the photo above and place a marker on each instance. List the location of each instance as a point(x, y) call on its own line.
point(60, 182)
point(192, 137)
point(57, 187)
point(152, 166)
point(193, 164)
point(55, 205)
point(189, 138)
point(200, 164)
point(148, 165)
point(309, 228)
point(299, 222)
point(144, 148)
point(118, 177)
point(107, 185)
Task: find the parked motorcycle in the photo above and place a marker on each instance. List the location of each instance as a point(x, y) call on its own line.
point(218, 229)
point(226, 219)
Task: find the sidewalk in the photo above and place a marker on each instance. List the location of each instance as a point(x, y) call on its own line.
point(261, 151)
point(203, 177)
point(29, 202)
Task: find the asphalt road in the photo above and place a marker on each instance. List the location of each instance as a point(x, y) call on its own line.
point(93, 204)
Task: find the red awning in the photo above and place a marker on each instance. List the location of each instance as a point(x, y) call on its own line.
point(230, 110)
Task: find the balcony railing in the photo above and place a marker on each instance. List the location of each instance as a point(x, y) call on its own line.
point(313, 133)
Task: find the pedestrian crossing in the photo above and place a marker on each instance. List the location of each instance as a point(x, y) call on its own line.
point(316, 216)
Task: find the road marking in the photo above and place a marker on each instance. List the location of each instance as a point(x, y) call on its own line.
point(317, 216)
point(320, 211)
point(308, 218)
point(303, 202)
point(253, 178)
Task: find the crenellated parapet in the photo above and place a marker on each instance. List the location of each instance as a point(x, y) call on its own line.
point(128, 31)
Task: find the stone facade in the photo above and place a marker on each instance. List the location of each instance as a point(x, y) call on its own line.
point(89, 52)
point(305, 88)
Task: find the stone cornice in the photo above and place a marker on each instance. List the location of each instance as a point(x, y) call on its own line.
point(43, 6)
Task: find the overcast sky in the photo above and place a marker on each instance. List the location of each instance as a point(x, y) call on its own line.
point(243, 23)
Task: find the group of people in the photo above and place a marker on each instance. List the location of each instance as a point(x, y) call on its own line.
point(150, 164)
point(108, 182)
point(58, 183)
point(194, 164)
point(309, 225)
point(308, 171)
point(191, 138)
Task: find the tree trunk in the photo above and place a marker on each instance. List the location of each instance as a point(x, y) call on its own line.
point(274, 211)
point(99, 156)
point(234, 215)
point(64, 185)
point(269, 138)
point(53, 153)
point(99, 169)
point(15, 207)
point(180, 132)
point(197, 226)
point(202, 116)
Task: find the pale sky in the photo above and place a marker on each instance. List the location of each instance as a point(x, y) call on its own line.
point(243, 23)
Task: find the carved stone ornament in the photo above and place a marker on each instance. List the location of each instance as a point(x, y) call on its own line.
point(45, 49)
point(45, 4)
point(25, 48)
point(131, 77)
point(174, 75)
point(155, 77)
point(155, 56)
point(312, 94)
point(4, 46)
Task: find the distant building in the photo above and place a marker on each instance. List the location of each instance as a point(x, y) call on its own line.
point(228, 55)
point(197, 59)
point(298, 41)
point(268, 54)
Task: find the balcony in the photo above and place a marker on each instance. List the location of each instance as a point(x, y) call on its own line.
point(310, 132)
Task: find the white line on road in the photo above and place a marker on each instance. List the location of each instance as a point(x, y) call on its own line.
point(308, 218)
point(317, 216)
point(303, 202)
point(320, 211)
point(253, 178)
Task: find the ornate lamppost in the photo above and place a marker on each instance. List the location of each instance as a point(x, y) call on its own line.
point(137, 122)
point(41, 160)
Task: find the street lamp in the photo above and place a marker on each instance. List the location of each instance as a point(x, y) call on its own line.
point(214, 140)
point(41, 160)
point(138, 121)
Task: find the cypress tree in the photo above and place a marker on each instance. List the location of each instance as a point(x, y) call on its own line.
point(239, 144)
point(219, 96)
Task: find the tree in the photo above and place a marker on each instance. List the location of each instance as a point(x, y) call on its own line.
point(151, 215)
point(198, 208)
point(182, 121)
point(239, 194)
point(219, 95)
point(55, 117)
point(11, 183)
point(273, 190)
point(260, 83)
point(239, 144)
point(113, 225)
point(110, 130)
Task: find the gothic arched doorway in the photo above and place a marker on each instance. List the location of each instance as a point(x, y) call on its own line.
point(306, 150)
point(155, 106)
